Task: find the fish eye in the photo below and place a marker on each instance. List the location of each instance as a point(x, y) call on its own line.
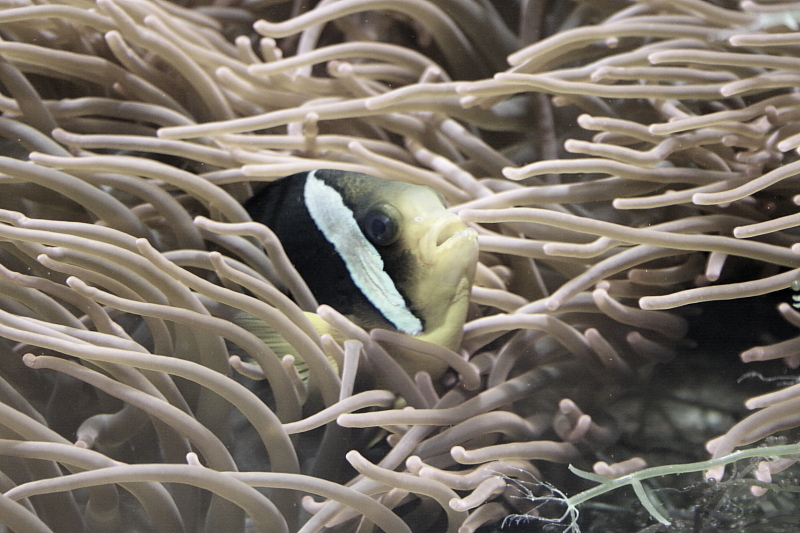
point(380, 226)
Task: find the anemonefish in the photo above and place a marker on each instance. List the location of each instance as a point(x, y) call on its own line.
point(386, 254)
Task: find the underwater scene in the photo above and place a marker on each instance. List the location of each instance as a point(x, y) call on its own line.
point(406, 266)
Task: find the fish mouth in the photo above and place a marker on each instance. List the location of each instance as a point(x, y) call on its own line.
point(445, 234)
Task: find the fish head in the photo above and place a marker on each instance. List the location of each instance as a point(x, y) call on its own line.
point(431, 256)
point(387, 254)
point(434, 257)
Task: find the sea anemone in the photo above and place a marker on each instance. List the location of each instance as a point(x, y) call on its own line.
point(619, 161)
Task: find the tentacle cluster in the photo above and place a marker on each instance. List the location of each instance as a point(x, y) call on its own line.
point(619, 160)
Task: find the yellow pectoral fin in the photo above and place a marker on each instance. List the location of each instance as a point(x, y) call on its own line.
point(273, 339)
point(323, 328)
point(266, 333)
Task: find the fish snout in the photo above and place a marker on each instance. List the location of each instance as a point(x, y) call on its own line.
point(445, 234)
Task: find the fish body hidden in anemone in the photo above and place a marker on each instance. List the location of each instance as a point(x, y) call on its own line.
point(386, 254)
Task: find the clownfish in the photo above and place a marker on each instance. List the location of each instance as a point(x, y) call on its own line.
point(386, 254)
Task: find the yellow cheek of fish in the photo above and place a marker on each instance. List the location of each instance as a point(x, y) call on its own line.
point(442, 300)
point(446, 257)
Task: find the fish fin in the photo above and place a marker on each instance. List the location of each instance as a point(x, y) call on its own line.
point(280, 346)
point(323, 328)
point(266, 333)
